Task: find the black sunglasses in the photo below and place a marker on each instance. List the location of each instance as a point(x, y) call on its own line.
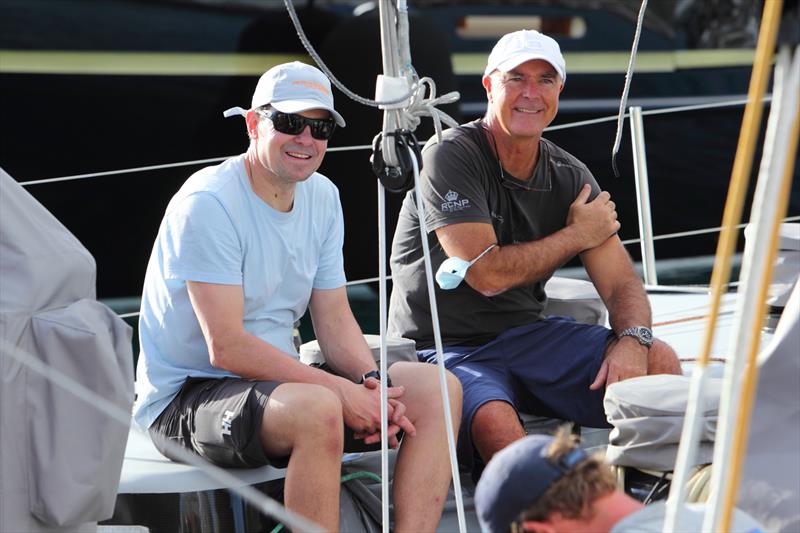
point(291, 124)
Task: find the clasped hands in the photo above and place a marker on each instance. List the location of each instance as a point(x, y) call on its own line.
point(364, 415)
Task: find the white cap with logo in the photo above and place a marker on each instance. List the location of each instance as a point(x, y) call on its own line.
point(517, 47)
point(292, 88)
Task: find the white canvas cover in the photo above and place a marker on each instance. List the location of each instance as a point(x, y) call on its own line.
point(786, 269)
point(770, 489)
point(59, 458)
point(397, 349)
point(647, 414)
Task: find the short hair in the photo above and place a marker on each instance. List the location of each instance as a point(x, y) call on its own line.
point(573, 494)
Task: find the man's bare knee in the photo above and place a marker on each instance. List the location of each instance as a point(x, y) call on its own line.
point(661, 359)
point(300, 414)
point(495, 426)
point(421, 383)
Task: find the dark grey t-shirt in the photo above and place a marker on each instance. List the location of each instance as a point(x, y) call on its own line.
point(462, 182)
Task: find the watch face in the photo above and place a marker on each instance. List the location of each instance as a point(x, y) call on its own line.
point(646, 334)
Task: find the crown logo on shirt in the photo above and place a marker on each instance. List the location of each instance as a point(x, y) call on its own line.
point(451, 196)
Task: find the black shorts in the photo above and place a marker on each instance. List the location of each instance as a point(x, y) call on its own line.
point(220, 420)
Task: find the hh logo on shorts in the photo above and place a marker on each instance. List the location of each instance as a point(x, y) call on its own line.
point(453, 204)
point(227, 418)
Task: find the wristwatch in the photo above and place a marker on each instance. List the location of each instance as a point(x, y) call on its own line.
point(641, 333)
point(374, 374)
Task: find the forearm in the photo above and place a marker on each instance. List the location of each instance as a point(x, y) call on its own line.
point(628, 306)
point(250, 357)
point(521, 264)
point(343, 345)
point(610, 268)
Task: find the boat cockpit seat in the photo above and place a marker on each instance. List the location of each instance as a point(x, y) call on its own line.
point(147, 471)
point(163, 495)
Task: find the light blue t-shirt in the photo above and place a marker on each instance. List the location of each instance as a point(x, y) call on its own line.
point(217, 230)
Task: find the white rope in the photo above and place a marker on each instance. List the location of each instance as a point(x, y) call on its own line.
point(383, 356)
point(623, 103)
point(437, 337)
point(421, 106)
point(263, 503)
point(324, 68)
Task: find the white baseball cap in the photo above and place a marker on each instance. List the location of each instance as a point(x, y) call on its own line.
point(292, 88)
point(513, 49)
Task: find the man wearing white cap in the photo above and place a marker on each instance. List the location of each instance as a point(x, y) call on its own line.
point(505, 208)
point(243, 249)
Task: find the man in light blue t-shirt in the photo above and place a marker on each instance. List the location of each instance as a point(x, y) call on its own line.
point(243, 249)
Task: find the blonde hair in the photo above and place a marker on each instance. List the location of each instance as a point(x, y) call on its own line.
point(573, 494)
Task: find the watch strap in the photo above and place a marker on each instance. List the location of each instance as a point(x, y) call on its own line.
point(643, 334)
point(374, 374)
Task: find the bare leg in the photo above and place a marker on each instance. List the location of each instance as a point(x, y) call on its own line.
point(661, 359)
point(422, 473)
point(306, 421)
point(495, 426)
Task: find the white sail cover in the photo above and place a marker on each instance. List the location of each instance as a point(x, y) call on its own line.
point(60, 458)
point(770, 489)
point(647, 413)
point(786, 269)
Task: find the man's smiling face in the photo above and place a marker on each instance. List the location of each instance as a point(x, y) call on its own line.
point(291, 158)
point(524, 100)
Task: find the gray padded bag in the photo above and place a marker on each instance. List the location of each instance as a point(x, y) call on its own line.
point(60, 458)
point(647, 414)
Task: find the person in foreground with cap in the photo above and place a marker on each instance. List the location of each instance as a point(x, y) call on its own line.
point(505, 208)
point(243, 249)
point(546, 484)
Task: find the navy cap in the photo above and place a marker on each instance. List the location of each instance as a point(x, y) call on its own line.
point(515, 478)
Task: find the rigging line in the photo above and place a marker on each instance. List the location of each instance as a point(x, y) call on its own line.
point(676, 288)
point(318, 60)
point(260, 501)
point(698, 232)
point(347, 284)
point(437, 337)
point(123, 171)
point(168, 165)
point(710, 105)
point(725, 103)
point(628, 77)
point(663, 111)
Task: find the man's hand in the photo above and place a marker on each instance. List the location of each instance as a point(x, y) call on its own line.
point(361, 410)
point(594, 221)
point(625, 358)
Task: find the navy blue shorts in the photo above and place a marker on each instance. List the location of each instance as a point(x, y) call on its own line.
point(544, 368)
